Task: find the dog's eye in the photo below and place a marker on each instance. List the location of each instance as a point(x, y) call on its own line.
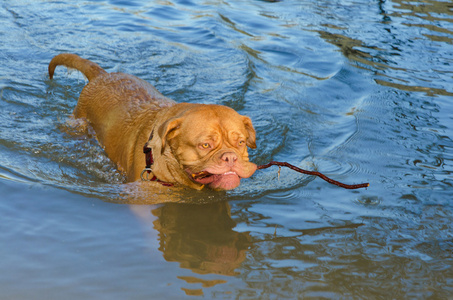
point(205, 146)
point(241, 142)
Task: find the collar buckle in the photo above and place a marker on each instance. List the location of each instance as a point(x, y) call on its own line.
point(147, 171)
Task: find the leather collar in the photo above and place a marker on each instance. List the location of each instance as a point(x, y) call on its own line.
point(149, 161)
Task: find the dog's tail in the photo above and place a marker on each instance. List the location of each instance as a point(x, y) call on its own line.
point(90, 69)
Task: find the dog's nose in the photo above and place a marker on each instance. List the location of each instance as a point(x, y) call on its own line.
point(229, 157)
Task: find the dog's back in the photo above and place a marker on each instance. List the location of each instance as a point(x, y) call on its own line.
point(120, 107)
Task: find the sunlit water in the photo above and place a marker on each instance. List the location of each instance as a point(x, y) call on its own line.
point(359, 90)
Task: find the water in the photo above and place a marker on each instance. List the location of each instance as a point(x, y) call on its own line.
point(359, 90)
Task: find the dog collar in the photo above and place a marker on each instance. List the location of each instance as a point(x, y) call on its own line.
point(149, 160)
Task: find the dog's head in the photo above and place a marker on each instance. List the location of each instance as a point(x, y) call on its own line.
point(211, 140)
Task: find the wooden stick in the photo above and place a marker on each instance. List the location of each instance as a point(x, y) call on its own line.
point(201, 175)
point(314, 173)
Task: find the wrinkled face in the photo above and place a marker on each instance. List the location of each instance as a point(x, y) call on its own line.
point(213, 139)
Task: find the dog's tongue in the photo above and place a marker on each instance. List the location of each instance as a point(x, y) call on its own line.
point(226, 181)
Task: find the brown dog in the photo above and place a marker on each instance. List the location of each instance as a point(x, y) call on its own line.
point(185, 139)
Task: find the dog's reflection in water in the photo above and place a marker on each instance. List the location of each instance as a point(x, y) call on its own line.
point(201, 237)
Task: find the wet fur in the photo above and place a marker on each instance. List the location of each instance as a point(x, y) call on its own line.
point(124, 109)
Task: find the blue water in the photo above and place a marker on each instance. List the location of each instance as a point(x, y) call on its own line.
point(359, 90)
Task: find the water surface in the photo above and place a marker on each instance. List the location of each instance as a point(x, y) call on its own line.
point(359, 90)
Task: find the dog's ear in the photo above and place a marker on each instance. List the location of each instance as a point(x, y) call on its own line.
point(169, 130)
point(251, 138)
